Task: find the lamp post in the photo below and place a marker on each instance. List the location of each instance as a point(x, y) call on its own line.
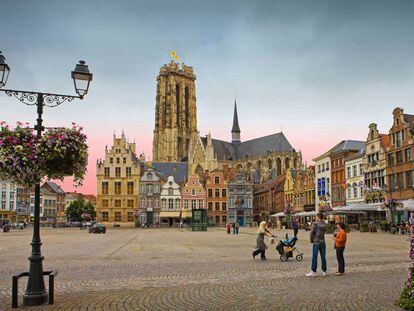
point(36, 293)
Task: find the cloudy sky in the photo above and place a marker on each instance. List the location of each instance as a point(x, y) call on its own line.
point(320, 70)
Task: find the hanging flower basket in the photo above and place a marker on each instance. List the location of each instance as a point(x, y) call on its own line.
point(289, 210)
point(64, 152)
point(19, 161)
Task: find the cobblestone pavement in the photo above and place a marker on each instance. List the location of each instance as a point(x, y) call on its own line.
point(169, 269)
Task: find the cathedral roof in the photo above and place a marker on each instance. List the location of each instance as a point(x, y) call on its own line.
point(177, 169)
point(274, 143)
point(226, 151)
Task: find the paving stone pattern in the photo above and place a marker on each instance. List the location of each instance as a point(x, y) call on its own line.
point(172, 269)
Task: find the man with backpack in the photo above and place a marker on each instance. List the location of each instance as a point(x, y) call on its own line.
point(317, 238)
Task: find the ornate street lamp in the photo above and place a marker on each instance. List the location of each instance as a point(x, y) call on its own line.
point(36, 293)
point(81, 78)
point(4, 71)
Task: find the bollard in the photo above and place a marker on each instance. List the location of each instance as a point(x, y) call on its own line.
point(15, 287)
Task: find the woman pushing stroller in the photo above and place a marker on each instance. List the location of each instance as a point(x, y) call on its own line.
point(260, 244)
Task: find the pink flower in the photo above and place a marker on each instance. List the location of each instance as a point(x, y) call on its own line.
point(28, 144)
point(14, 141)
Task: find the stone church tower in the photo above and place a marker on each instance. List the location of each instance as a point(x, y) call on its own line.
point(175, 113)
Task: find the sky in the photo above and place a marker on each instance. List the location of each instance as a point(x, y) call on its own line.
point(320, 71)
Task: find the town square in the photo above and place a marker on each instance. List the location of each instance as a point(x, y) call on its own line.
point(206, 155)
point(173, 269)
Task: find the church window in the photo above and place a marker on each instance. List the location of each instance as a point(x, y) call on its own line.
point(187, 112)
point(278, 167)
point(177, 102)
point(287, 163)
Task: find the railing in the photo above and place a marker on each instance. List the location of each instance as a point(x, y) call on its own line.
point(15, 287)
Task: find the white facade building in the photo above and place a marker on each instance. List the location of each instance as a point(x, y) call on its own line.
point(170, 202)
point(354, 176)
point(8, 199)
point(323, 186)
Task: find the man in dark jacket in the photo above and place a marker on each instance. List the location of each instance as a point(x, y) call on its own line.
point(317, 238)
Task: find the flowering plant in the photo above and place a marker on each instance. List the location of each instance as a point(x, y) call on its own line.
point(64, 152)
point(407, 296)
point(391, 204)
point(288, 210)
point(26, 160)
point(19, 161)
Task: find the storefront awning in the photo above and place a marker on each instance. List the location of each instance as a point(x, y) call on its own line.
point(359, 207)
point(170, 214)
point(305, 214)
point(408, 205)
point(281, 214)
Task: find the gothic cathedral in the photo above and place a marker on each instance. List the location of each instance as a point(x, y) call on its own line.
point(176, 138)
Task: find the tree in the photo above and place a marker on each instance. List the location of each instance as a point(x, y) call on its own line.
point(77, 208)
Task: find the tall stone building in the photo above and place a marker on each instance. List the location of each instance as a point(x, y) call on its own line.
point(175, 113)
point(118, 182)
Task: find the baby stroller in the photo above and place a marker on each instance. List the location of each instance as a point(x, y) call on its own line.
point(287, 247)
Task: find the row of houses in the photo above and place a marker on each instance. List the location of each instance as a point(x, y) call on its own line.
point(350, 173)
point(17, 202)
point(366, 176)
point(164, 193)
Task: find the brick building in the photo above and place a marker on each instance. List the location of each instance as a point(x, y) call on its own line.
point(399, 157)
point(342, 151)
point(217, 196)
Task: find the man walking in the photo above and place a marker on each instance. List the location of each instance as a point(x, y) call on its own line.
point(317, 238)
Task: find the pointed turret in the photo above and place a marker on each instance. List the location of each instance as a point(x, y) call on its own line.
point(235, 131)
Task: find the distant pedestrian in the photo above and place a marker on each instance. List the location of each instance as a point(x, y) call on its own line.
point(317, 238)
point(236, 227)
point(228, 227)
point(295, 226)
point(340, 241)
point(260, 244)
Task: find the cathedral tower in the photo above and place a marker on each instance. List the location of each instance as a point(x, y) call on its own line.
point(175, 113)
point(235, 131)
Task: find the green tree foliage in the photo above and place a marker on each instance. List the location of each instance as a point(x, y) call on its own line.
point(77, 208)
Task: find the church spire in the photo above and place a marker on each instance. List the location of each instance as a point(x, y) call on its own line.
point(235, 131)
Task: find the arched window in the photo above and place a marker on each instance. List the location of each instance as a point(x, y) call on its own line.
point(187, 105)
point(278, 167)
point(177, 102)
point(287, 163)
